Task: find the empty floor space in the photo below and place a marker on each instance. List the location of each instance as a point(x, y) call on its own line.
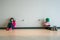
point(29, 34)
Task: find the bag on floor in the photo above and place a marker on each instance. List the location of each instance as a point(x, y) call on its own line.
point(54, 28)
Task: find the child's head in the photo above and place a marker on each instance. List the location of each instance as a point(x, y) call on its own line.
point(47, 20)
point(12, 19)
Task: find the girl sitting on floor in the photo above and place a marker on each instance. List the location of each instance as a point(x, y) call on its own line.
point(11, 24)
point(46, 24)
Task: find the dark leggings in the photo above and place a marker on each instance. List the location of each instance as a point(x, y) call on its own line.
point(49, 28)
point(10, 25)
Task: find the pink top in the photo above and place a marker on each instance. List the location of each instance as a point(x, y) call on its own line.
point(14, 23)
point(46, 24)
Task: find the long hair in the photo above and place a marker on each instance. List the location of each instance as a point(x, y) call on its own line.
point(12, 19)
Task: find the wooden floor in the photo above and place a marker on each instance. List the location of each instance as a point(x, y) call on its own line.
point(29, 32)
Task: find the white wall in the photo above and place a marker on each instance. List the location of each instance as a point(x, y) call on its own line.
point(30, 11)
